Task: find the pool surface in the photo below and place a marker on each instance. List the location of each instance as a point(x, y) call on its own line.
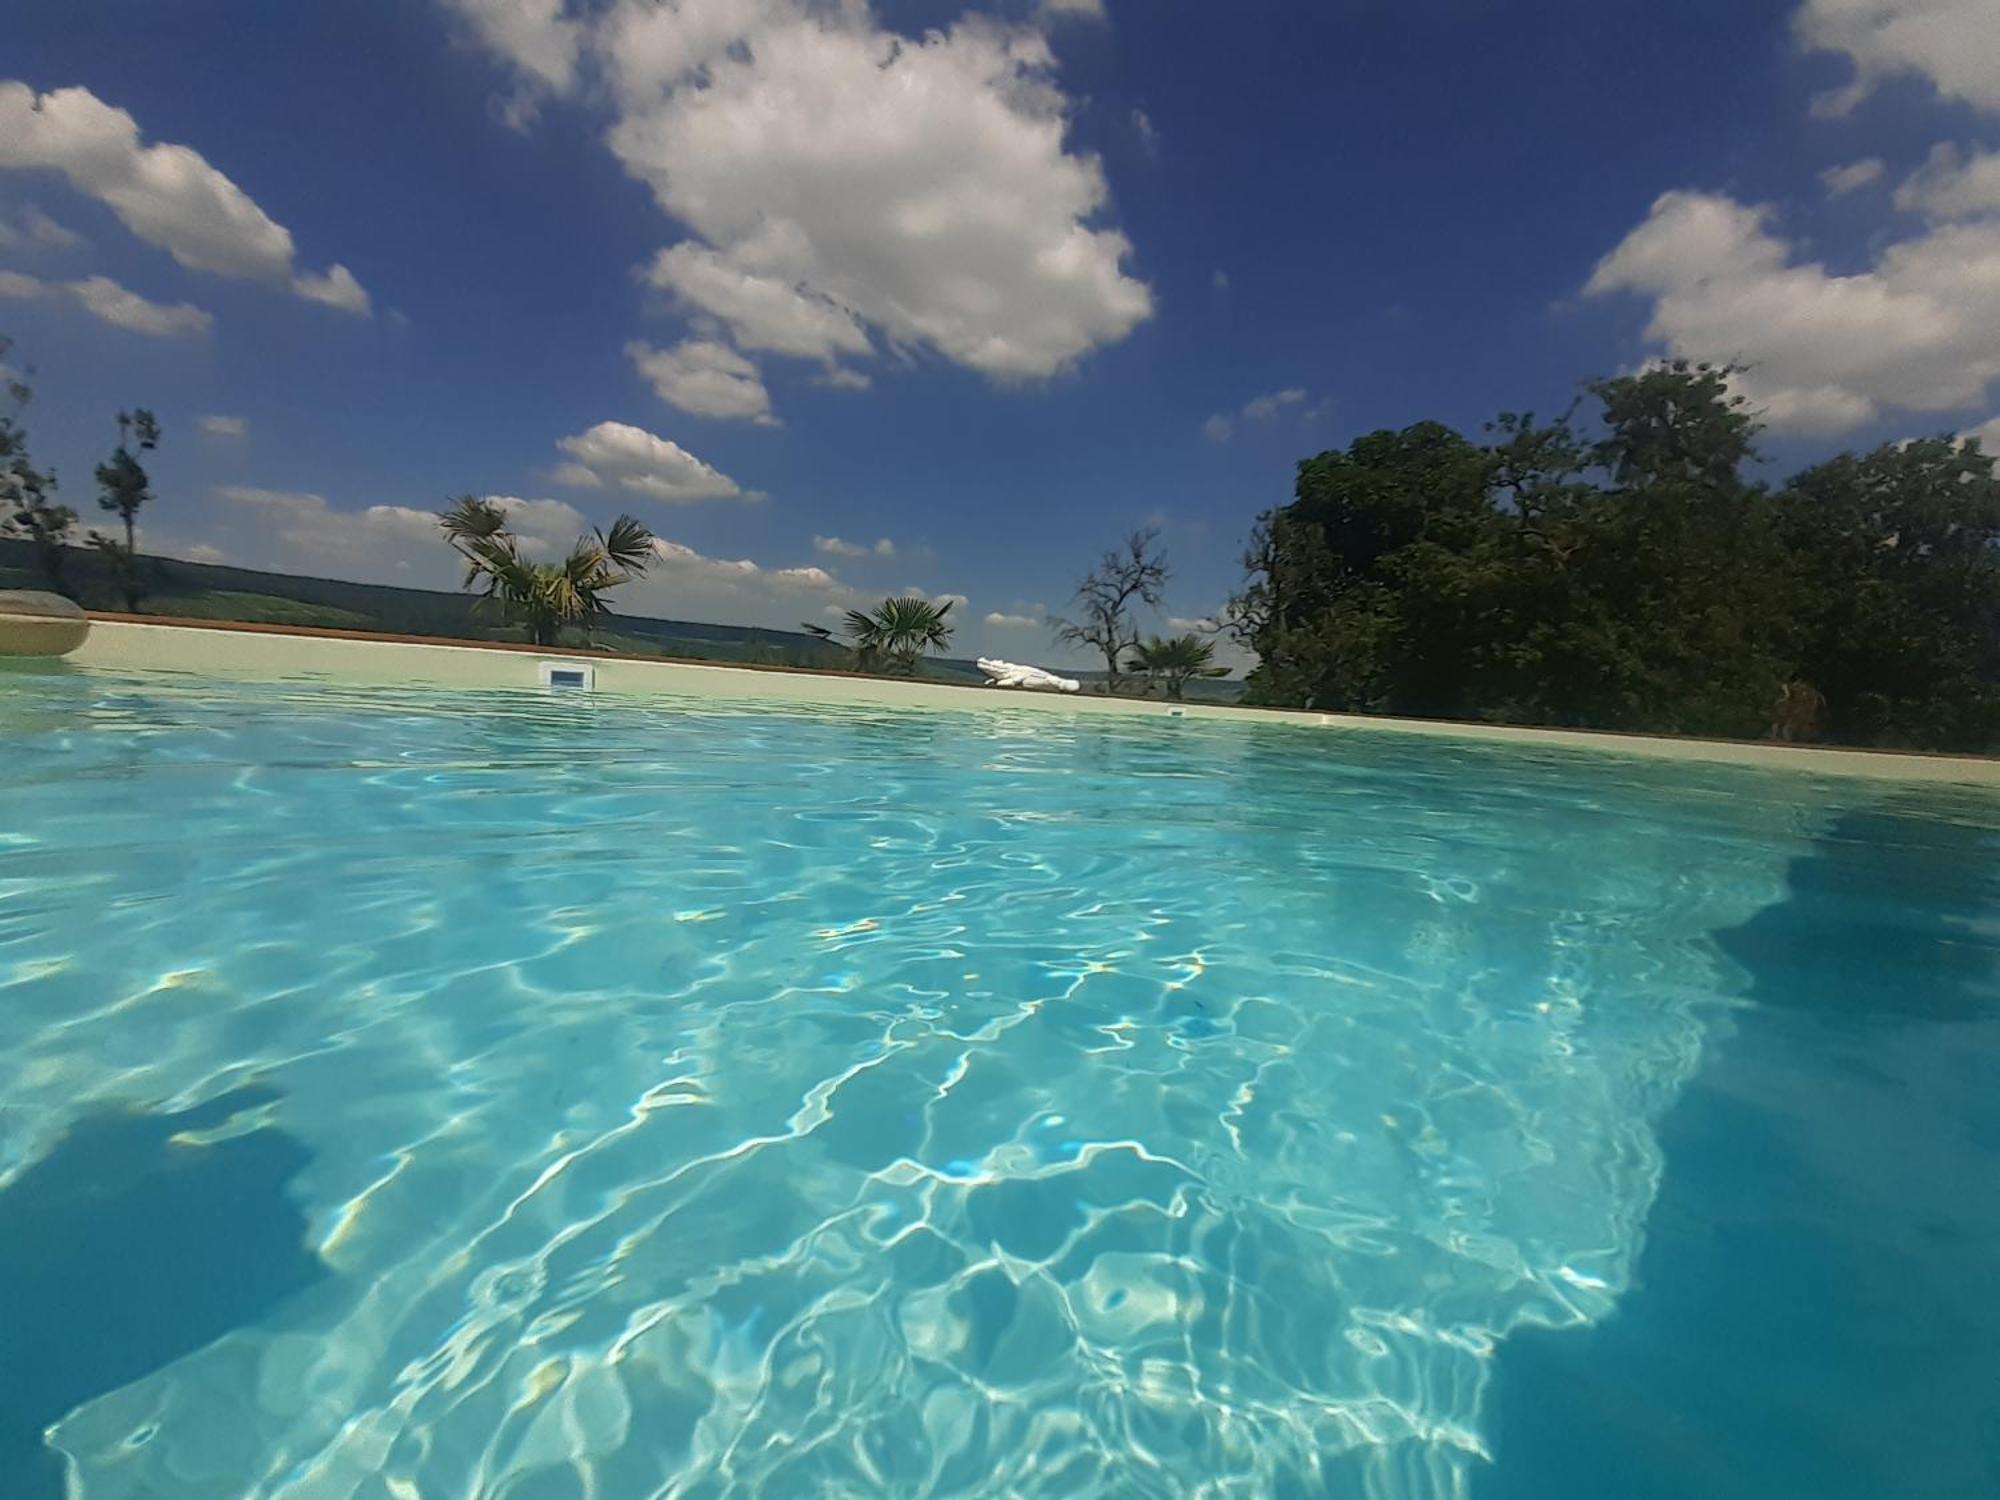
point(484, 1094)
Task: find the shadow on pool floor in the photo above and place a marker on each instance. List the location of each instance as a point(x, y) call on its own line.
point(124, 1249)
point(1815, 1315)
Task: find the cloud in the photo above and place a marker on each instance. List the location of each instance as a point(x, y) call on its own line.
point(683, 564)
point(1000, 621)
point(837, 178)
point(1073, 10)
point(840, 379)
point(706, 378)
point(301, 532)
point(762, 312)
point(686, 584)
point(336, 288)
point(108, 302)
point(1919, 331)
point(1147, 131)
point(167, 195)
point(225, 427)
point(1219, 280)
point(1200, 625)
point(1988, 436)
point(833, 546)
point(298, 531)
point(1221, 427)
point(1264, 408)
point(612, 455)
point(37, 229)
point(1951, 186)
point(1953, 43)
point(121, 307)
point(1840, 181)
point(533, 35)
point(545, 528)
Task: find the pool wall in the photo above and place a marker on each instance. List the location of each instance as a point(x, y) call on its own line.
point(222, 649)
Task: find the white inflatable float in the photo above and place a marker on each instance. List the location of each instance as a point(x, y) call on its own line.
point(1014, 675)
point(37, 624)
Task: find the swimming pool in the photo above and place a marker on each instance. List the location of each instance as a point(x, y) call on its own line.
point(424, 1094)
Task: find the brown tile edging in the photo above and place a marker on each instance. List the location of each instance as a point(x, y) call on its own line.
point(1832, 760)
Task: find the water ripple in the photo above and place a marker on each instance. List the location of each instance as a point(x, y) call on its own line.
point(712, 1102)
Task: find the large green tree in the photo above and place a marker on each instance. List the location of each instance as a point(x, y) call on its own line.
point(1896, 593)
point(1619, 570)
point(28, 509)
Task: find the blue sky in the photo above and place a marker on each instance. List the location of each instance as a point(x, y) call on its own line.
point(845, 301)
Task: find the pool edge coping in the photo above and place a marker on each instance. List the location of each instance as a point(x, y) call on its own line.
point(280, 652)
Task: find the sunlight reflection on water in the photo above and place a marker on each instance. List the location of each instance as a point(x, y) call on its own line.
point(719, 1102)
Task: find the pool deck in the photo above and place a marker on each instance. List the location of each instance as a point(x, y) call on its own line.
point(228, 649)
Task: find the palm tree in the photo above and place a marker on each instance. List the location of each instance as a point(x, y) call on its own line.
point(544, 597)
point(894, 636)
point(1174, 663)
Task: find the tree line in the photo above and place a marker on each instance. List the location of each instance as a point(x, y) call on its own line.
point(30, 511)
point(1615, 568)
point(1620, 569)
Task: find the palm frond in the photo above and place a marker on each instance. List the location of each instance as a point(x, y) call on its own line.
point(629, 544)
point(469, 518)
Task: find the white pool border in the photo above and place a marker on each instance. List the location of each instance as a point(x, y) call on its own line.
point(227, 650)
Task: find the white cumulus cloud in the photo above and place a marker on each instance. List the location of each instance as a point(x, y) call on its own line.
point(536, 36)
point(844, 184)
point(1953, 185)
point(956, 602)
point(298, 531)
point(225, 427)
point(1919, 331)
point(167, 195)
point(706, 378)
point(684, 583)
point(762, 312)
point(108, 302)
point(1953, 43)
point(336, 288)
point(1000, 620)
point(613, 455)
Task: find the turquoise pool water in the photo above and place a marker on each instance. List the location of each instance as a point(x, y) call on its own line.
point(431, 1095)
